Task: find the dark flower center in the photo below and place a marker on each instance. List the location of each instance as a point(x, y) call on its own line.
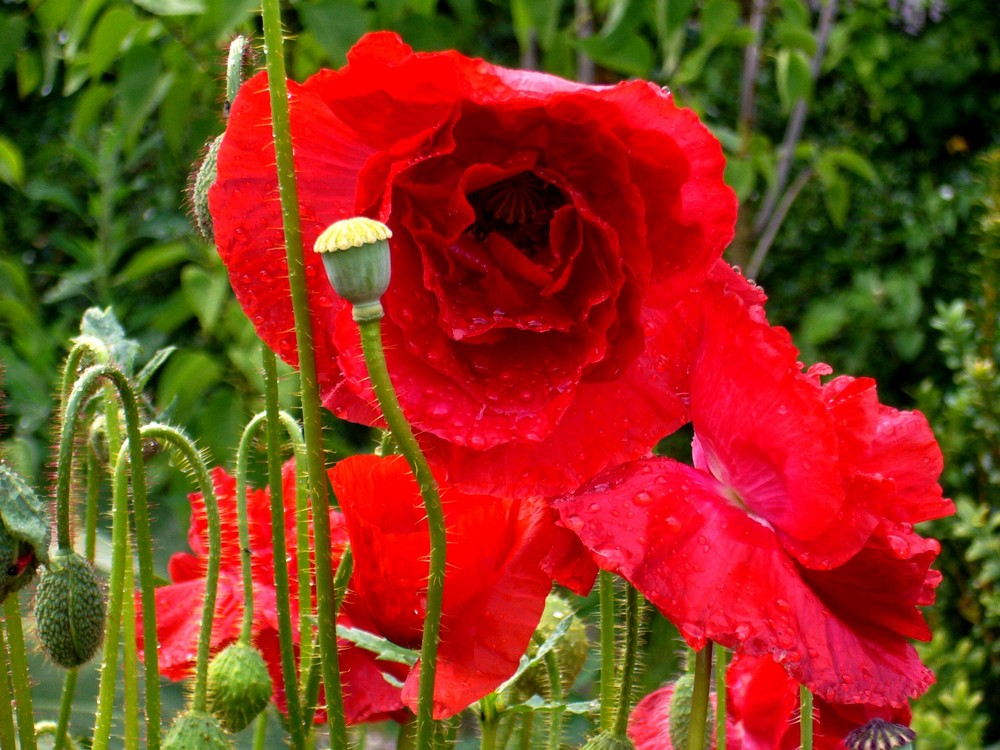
point(518, 208)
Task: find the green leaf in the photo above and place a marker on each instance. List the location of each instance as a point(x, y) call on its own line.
point(101, 329)
point(151, 260)
point(741, 177)
point(852, 161)
point(11, 163)
point(837, 197)
point(12, 33)
point(550, 643)
point(631, 55)
point(538, 703)
point(538, 17)
point(206, 293)
point(154, 364)
point(795, 11)
point(172, 7)
point(795, 37)
point(335, 25)
point(28, 67)
point(793, 77)
point(718, 17)
point(383, 649)
point(107, 41)
point(186, 378)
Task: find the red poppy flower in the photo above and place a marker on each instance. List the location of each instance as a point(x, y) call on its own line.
point(793, 534)
point(536, 223)
point(495, 585)
point(762, 712)
point(368, 697)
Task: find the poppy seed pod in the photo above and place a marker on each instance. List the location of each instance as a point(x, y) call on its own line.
point(879, 734)
point(70, 610)
point(196, 730)
point(239, 686)
point(24, 532)
point(680, 713)
point(355, 253)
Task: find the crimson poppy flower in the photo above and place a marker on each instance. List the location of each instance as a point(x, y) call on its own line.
point(536, 223)
point(367, 695)
point(495, 584)
point(762, 712)
point(792, 536)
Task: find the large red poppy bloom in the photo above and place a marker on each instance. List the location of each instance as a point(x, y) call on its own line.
point(495, 584)
point(367, 695)
point(762, 712)
point(536, 222)
point(792, 536)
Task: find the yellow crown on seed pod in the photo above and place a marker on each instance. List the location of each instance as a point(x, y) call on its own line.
point(355, 254)
point(348, 233)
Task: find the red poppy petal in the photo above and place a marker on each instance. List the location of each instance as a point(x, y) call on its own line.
point(482, 642)
point(720, 574)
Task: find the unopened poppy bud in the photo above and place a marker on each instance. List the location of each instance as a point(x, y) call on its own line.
point(239, 686)
point(24, 532)
point(196, 730)
point(680, 713)
point(608, 741)
point(70, 610)
point(878, 734)
point(200, 182)
point(355, 254)
point(571, 651)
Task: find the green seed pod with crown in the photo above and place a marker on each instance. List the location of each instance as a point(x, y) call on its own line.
point(239, 686)
point(24, 532)
point(196, 730)
point(70, 610)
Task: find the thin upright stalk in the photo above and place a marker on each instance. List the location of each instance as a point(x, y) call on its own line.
point(806, 718)
point(283, 596)
point(699, 698)
point(721, 663)
point(606, 591)
point(489, 720)
point(18, 664)
point(309, 387)
point(371, 343)
point(7, 732)
point(630, 659)
point(556, 697)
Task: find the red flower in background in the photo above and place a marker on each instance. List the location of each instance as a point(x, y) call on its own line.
point(367, 696)
point(762, 712)
point(537, 223)
point(793, 535)
point(495, 585)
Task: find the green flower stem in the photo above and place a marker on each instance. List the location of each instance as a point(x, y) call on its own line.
point(721, 664)
point(312, 425)
point(527, 727)
point(699, 697)
point(371, 343)
point(183, 445)
point(278, 540)
point(246, 555)
point(633, 619)
point(116, 591)
point(260, 732)
point(310, 687)
point(65, 709)
point(18, 664)
point(556, 697)
point(144, 543)
point(130, 648)
point(606, 589)
point(7, 734)
point(806, 718)
point(488, 722)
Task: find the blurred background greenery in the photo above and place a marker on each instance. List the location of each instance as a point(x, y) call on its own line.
point(862, 138)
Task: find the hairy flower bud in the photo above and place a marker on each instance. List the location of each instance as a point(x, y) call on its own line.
point(239, 686)
point(355, 254)
point(70, 610)
point(571, 650)
point(200, 182)
point(680, 713)
point(196, 730)
point(878, 734)
point(609, 741)
point(24, 532)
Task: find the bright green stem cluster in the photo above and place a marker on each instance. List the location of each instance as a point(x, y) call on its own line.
point(312, 426)
point(371, 342)
point(74, 402)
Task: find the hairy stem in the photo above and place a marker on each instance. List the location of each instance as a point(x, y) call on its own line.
point(699, 698)
point(606, 584)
